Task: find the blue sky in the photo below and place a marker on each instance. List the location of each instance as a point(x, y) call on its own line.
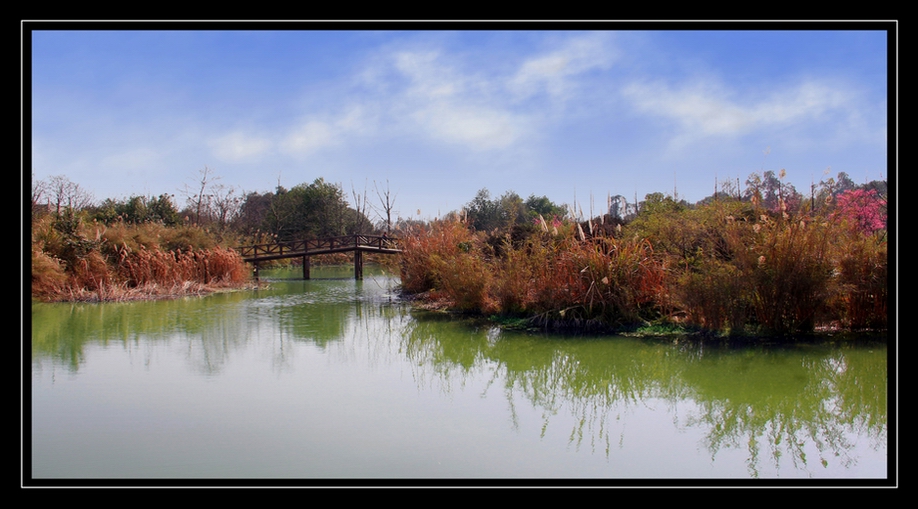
point(442, 114)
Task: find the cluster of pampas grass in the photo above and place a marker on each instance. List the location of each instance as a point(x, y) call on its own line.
point(861, 291)
point(125, 262)
point(552, 278)
point(448, 260)
point(207, 266)
point(733, 266)
point(725, 267)
point(139, 274)
point(788, 267)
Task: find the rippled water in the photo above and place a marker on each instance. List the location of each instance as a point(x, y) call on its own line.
point(337, 379)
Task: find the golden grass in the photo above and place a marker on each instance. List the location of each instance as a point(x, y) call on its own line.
point(120, 262)
point(720, 267)
point(613, 280)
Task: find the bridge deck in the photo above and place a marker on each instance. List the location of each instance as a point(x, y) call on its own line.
point(359, 244)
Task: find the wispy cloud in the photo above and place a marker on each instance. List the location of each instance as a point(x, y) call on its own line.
point(452, 105)
point(318, 132)
point(309, 137)
point(706, 109)
point(239, 146)
point(555, 72)
point(477, 128)
point(427, 94)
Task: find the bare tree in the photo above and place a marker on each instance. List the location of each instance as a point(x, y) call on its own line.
point(39, 187)
point(360, 203)
point(65, 195)
point(226, 205)
point(386, 204)
point(198, 199)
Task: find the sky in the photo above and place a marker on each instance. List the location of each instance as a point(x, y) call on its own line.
point(437, 115)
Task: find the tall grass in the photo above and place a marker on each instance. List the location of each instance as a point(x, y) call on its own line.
point(860, 299)
point(615, 282)
point(725, 267)
point(96, 262)
point(779, 272)
point(554, 278)
point(790, 270)
point(715, 297)
point(207, 266)
point(448, 260)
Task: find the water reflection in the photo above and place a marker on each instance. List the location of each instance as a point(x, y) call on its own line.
point(814, 410)
point(783, 405)
point(796, 409)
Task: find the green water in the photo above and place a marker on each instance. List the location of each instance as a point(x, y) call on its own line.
point(335, 378)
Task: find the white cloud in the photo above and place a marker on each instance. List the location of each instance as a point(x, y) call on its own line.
point(309, 137)
point(448, 105)
point(428, 94)
point(809, 100)
point(238, 146)
point(430, 79)
point(356, 119)
point(332, 131)
point(708, 110)
point(555, 72)
point(479, 128)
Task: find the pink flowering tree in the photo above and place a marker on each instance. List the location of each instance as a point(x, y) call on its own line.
point(862, 209)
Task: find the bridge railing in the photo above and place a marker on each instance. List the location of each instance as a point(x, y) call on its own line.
point(295, 247)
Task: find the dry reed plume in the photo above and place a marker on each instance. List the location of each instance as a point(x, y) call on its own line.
point(726, 267)
point(94, 262)
point(549, 276)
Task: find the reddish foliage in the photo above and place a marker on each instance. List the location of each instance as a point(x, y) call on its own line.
point(862, 209)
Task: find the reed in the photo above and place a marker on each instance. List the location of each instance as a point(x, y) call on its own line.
point(860, 299)
point(169, 268)
point(557, 278)
point(790, 269)
point(154, 236)
point(450, 261)
point(48, 274)
point(724, 267)
point(621, 282)
point(715, 297)
point(91, 261)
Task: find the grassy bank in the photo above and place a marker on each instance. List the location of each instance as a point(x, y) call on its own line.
point(72, 259)
point(726, 267)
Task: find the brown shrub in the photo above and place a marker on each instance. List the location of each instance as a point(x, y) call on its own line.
point(715, 297)
point(89, 272)
point(48, 276)
point(209, 266)
point(861, 296)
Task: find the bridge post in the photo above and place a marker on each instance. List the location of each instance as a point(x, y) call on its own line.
point(305, 267)
point(358, 264)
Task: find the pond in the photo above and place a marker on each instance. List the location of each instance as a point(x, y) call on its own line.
point(333, 378)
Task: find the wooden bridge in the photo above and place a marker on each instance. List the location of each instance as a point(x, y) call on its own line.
point(359, 244)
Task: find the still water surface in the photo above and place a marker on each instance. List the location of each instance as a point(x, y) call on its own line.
point(335, 378)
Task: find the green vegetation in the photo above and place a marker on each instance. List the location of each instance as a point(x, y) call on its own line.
point(768, 262)
point(142, 247)
point(765, 260)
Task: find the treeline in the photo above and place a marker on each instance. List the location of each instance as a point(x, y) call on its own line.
point(762, 260)
point(148, 245)
point(307, 210)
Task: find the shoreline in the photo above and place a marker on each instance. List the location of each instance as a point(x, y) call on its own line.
point(148, 292)
point(661, 330)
